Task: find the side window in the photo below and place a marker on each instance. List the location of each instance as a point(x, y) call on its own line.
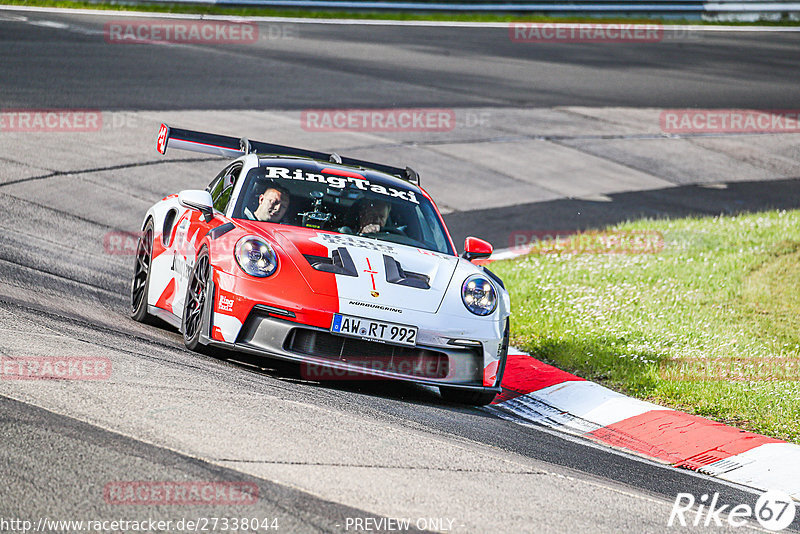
point(221, 188)
point(425, 218)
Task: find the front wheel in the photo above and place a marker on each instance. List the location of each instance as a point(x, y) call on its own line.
point(460, 396)
point(195, 302)
point(478, 398)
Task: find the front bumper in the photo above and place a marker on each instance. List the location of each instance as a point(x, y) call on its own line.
point(298, 332)
point(326, 356)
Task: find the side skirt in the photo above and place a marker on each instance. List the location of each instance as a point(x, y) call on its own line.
point(165, 316)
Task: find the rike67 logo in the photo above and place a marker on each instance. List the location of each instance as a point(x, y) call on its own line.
point(774, 510)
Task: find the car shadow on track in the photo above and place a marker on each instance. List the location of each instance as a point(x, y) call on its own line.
point(503, 226)
point(293, 372)
point(406, 392)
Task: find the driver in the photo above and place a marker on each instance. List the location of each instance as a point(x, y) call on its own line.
point(372, 216)
point(272, 204)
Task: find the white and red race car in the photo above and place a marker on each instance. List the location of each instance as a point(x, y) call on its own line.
point(343, 265)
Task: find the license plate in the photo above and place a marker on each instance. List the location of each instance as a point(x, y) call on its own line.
point(372, 330)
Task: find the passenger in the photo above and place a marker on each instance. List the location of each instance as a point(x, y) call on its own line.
point(372, 216)
point(272, 204)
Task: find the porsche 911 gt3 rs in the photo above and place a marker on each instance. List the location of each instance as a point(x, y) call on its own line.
point(337, 263)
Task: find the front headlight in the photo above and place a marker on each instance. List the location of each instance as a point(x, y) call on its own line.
point(255, 256)
point(479, 295)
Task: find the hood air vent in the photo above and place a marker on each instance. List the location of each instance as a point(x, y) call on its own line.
point(340, 262)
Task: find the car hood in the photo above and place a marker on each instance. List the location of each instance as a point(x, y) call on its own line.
point(368, 271)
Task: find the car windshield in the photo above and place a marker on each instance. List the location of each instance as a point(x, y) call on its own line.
point(343, 202)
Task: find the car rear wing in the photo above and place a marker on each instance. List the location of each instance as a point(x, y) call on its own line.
point(232, 147)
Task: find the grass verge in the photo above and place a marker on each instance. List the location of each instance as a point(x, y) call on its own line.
point(200, 9)
point(708, 324)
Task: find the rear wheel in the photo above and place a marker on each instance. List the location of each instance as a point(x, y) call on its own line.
point(141, 275)
point(195, 303)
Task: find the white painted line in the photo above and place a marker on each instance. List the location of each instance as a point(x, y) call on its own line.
point(376, 22)
point(49, 24)
point(13, 18)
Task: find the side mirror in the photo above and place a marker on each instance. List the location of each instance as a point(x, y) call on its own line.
point(197, 199)
point(475, 249)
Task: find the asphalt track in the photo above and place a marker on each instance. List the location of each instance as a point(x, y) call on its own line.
point(320, 453)
point(298, 66)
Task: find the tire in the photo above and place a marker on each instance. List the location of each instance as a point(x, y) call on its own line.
point(195, 302)
point(460, 396)
point(504, 349)
point(140, 282)
point(476, 398)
